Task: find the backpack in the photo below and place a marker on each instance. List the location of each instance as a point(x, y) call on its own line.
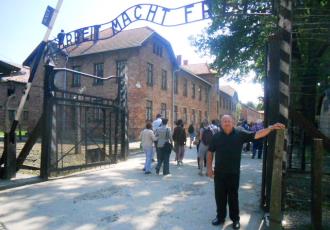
point(207, 136)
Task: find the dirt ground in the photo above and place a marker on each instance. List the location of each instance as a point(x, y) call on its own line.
point(121, 196)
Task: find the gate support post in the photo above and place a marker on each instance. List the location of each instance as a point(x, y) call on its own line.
point(47, 123)
point(316, 185)
point(10, 157)
point(276, 188)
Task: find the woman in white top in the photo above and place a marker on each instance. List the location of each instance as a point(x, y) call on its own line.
point(147, 137)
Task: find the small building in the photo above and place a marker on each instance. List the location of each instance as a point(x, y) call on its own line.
point(13, 79)
point(250, 115)
point(228, 100)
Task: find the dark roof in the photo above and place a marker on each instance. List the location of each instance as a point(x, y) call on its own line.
point(228, 90)
point(6, 67)
point(20, 76)
point(194, 75)
point(123, 40)
point(199, 68)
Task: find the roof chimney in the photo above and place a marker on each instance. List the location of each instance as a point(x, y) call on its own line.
point(185, 62)
point(179, 59)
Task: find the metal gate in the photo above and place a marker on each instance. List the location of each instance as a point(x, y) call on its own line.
point(83, 127)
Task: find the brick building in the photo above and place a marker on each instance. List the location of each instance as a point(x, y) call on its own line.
point(250, 114)
point(157, 80)
point(12, 84)
point(228, 100)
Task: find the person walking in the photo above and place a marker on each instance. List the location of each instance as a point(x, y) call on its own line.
point(192, 135)
point(227, 145)
point(147, 137)
point(164, 146)
point(179, 138)
point(205, 134)
point(155, 125)
point(257, 144)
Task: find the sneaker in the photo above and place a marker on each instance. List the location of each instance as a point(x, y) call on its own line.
point(147, 173)
point(157, 171)
point(216, 221)
point(236, 225)
point(200, 173)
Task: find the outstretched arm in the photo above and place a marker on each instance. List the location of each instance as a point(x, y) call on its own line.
point(210, 172)
point(264, 132)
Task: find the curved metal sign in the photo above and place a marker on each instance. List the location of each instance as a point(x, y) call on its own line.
point(142, 12)
point(160, 15)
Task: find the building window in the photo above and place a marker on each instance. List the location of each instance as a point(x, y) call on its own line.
point(25, 115)
point(200, 116)
point(193, 116)
point(150, 74)
point(164, 79)
point(185, 87)
point(200, 93)
point(157, 49)
point(97, 114)
point(120, 68)
point(149, 111)
point(10, 90)
point(206, 96)
point(185, 115)
point(193, 89)
point(75, 77)
point(176, 84)
point(175, 113)
point(163, 110)
point(98, 71)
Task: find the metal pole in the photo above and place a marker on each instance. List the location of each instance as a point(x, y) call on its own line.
point(33, 70)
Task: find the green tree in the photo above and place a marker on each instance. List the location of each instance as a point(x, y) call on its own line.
point(237, 42)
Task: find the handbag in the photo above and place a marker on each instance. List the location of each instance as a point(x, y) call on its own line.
point(168, 147)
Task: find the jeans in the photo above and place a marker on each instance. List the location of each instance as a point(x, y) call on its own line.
point(164, 158)
point(226, 191)
point(149, 152)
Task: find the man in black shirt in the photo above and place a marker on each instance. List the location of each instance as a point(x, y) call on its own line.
point(227, 145)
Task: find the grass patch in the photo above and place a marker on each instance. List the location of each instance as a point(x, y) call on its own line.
point(23, 133)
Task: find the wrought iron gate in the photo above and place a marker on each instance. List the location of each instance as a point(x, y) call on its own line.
point(81, 128)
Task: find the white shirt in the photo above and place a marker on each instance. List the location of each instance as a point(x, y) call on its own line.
point(156, 124)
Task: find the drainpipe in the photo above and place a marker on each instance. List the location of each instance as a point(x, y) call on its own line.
point(173, 95)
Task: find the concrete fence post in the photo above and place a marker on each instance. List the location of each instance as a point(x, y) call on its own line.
point(316, 184)
point(276, 187)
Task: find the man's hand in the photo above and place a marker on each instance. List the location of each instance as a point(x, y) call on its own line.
point(264, 132)
point(210, 173)
point(277, 126)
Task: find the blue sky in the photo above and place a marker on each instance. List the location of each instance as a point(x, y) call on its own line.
point(21, 29)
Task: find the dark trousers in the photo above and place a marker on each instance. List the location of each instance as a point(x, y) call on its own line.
point(257, 147)
point(164, 158)
point(226, 191)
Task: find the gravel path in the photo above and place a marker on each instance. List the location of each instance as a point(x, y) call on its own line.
point(122, 197)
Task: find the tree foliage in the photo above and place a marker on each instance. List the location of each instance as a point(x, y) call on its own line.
point(237, 42)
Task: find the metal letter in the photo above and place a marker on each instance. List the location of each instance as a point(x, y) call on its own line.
point(68, 38)
point(125, 18)
point(206, 12)
point(114, 26)
point(187, 11)
point(135, 13)
point(153, 12)
point(96, 32)
point(166, 10)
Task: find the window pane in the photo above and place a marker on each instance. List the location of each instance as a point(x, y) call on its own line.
point(98, 71)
